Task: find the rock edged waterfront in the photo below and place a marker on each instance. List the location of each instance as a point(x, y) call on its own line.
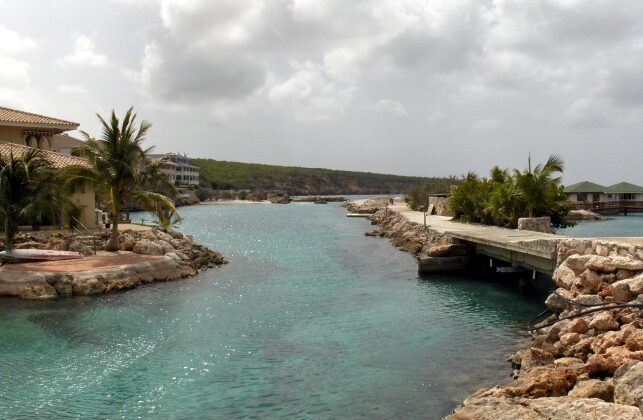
point(591, 371)
point(145, 257)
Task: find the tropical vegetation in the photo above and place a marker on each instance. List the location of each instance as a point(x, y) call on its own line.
point(417, 196)
point(27, 190)
point(119, 170)
point(505, 197)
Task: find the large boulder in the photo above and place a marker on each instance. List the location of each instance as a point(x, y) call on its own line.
point(604, 321)
point(628, 381)
point(593, 388)
point(564, 277)
point(556, 301)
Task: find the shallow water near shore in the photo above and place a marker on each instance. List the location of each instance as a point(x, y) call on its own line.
point(311, 319)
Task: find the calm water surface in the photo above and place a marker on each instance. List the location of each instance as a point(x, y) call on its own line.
point(311, 319)
point(614, 226)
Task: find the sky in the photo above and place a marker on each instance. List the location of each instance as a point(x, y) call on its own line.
point(413, 87)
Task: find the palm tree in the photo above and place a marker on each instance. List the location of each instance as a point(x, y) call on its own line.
point(119, 169)
point(25, 183)
point(538, 188)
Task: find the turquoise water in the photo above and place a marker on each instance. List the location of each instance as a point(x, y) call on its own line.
point(614, 226)
point(311, 319)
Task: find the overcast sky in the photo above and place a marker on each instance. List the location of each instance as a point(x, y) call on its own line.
point(417, 87)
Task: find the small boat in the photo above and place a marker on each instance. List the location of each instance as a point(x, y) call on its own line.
point(40, 254)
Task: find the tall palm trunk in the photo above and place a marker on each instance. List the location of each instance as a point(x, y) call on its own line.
point(10, 229)
point(113, 244)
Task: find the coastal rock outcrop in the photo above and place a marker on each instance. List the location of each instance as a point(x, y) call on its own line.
point(585, 361)
point(163, 256)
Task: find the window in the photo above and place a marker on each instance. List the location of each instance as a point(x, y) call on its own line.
point(581, 197)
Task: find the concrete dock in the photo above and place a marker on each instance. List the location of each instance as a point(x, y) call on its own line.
point(521, 248)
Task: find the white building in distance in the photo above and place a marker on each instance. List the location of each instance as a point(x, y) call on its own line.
point(178, 169)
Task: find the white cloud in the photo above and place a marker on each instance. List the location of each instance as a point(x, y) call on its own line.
point(84, 54)
point(15, 77)
point(12, 42)
point(310, 95)
point(388, 106)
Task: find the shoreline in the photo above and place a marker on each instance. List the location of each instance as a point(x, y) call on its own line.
point(145, 256)
point(582, 367)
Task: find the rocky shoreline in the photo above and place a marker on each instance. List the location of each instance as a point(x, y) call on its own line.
point(586, 359)
point(144, 257)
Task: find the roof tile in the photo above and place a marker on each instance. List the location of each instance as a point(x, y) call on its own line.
point(58, 160)
point(9, 115)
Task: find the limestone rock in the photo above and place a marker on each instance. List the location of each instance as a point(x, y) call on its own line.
point(541, 381)
point(39, 291)
point(499, 408)
point(564, 277)
point(88, 286)
point(593, 388)
point(607, 340)
point(578, 262)
point(57, 244)
point(530, 358)
point(554, 301)
point(628, 381)
point(535, 224)
point(614, 263)
point(601, 264)
point(621, 291)
point(577, 325)
point(569, 339)
point(127, 242)
point(601, 365)
point(587, 282)
point(147, 247)
point(448, 250)
point(634, 341)
point(589, 300)
point(77, 246)
point(604, 321)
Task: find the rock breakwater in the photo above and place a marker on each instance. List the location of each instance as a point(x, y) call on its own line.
point(585, 360)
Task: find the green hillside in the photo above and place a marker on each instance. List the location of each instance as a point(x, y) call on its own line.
point(301, 181)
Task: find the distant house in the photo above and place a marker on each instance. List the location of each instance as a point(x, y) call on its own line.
point(624, 191)
point(178, 169)
point(21, 131)
point(585, 192)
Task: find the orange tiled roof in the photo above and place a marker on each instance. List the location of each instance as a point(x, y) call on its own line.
point(14, 117)
point(58, 160)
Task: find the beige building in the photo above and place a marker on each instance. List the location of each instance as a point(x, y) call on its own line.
point(20, 131)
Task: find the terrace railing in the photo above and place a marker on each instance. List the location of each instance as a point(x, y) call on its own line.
point(620, 205)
